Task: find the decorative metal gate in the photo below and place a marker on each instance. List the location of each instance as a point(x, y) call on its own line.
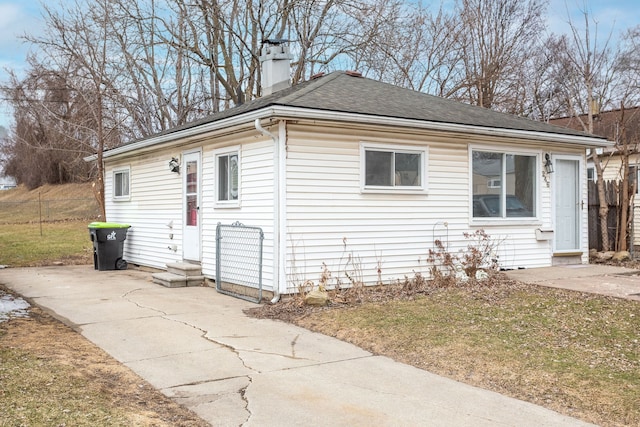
point(239, 261)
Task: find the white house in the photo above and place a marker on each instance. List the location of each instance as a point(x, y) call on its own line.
point(6, 182)
point(344, 173)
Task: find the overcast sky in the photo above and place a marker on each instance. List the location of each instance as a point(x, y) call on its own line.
point(20, 16)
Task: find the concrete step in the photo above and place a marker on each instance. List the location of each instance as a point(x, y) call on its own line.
point(171, 280)
point(184, 269)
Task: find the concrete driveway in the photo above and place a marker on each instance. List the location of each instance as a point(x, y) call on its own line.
point(198, 347)
point(608, 280)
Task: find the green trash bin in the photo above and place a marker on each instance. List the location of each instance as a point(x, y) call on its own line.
point(108, 245)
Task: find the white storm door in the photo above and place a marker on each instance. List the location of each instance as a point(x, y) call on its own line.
point(191, 206)
point(567, 205)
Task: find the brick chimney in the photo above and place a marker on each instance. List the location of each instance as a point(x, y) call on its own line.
point(275, 62)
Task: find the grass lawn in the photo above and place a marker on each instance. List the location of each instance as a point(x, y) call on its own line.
point(67, 241)
point(578, 354)
point(49, 374)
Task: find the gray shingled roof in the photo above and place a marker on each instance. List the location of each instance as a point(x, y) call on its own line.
point(344, 92)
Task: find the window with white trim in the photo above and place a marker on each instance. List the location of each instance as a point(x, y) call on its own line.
point(228, 177)
point(121, 184)
point(634, 177)
point(393, 168)
point(504, 185)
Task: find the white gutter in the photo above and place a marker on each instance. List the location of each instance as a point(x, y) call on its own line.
point(305, 113)
point(278, 241)
point(196, 130)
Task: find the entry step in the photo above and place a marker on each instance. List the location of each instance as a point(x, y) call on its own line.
point(184, 269)
point(179, 274)
point(171, 280)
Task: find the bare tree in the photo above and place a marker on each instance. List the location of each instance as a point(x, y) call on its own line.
point(79, 39)
point(416, 49)
point(40, 149)
point(495, 39)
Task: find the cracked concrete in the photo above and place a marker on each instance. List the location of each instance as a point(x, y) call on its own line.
point(198, 348)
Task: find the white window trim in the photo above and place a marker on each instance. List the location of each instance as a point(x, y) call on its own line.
point(422, 189)
point(487, 221)
point(126, 197)
point(225, 152)
point(591, 167)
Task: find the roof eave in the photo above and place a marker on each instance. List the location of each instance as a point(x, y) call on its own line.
point(306, 113)
point(190, 131)
point(300, 113)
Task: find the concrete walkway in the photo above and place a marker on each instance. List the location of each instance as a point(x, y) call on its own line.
point(619, 282)
point(198, 348)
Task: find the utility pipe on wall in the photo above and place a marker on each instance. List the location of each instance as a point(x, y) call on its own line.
point(277, 211)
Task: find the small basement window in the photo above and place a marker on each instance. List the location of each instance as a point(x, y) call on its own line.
point(121, 184)
point(393, 168)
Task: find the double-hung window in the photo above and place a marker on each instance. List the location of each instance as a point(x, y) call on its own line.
point(504, 185)
point(393, 168)
point(121, 184)
point(228, 177)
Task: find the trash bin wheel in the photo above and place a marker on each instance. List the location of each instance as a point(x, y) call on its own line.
point(121, 264)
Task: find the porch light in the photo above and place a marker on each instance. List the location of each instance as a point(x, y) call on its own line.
point(548, 164)
point(174, 165)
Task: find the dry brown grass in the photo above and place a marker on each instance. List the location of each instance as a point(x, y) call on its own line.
point(52, 376)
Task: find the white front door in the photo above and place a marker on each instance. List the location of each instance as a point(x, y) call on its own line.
point(191, 206)
point(567, 205)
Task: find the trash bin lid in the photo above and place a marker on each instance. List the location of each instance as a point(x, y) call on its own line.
point(108, 225)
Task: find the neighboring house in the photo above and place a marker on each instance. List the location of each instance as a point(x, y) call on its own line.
point(622, 127)
point(6, 182)
point(343, 170)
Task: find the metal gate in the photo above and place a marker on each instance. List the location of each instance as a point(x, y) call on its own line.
point(239, 260)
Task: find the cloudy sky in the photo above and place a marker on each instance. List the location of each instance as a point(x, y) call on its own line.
point(20, 16)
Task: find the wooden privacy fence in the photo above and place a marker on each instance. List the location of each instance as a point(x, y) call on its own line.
point(613, 197)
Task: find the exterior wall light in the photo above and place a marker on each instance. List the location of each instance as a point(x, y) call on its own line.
point(174, 165)
point(548, 164)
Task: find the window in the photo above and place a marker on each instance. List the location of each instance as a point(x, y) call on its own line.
point(634, 177)
point(393, 168)
point(228, 177)
point(121, 184)
point(504, 185)
point(494, 183)
point(591, 174)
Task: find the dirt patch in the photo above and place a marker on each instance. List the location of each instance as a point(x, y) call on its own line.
point(51, 375)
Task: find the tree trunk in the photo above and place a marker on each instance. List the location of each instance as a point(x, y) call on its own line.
point(603, 210)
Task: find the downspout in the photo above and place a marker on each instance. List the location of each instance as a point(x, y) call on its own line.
point(277, 210)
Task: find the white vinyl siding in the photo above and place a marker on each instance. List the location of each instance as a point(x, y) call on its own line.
point(330, 221)
point(256, 190)
point(153, 211)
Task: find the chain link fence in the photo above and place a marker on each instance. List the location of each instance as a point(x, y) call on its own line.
point(19, 212)
point(239, 261)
